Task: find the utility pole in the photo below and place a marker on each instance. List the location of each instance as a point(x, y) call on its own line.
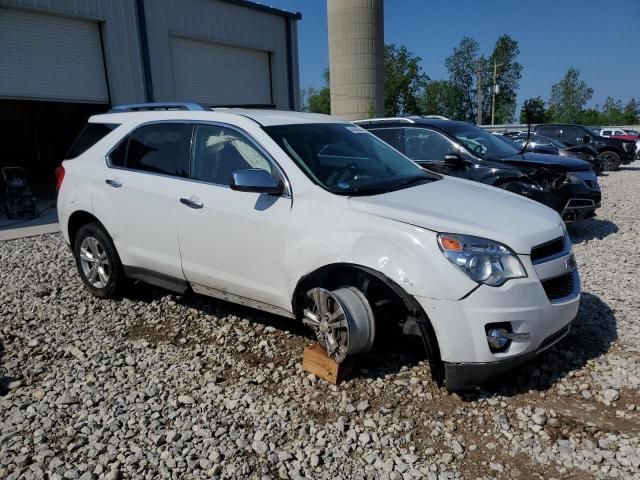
point(479, 94)
point(494, 90)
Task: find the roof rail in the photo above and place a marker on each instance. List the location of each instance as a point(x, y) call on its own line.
point(369, 121)
point(142, 107)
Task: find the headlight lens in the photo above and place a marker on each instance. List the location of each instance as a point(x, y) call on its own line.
point(484, 261)
point(572, 178)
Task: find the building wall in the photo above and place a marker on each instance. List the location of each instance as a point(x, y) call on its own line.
point(219, 22)
point(209, 20)
point(121, 41)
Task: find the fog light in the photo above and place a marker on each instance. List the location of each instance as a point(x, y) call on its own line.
point(497, 338)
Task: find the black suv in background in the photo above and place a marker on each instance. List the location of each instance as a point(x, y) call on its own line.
point(612, 151)
point(459, 149)
point(539, 144)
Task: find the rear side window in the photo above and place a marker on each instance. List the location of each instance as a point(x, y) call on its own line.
point(547, 131)
point(393, 136)
point(159, 148)
point(91, 134)
point(606, 133)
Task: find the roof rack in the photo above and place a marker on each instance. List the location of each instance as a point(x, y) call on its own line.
point(370, 121)
point(143, 107)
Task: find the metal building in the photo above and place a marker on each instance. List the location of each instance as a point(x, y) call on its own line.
point(63, 60)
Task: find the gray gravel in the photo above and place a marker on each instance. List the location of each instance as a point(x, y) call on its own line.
point(161, 386)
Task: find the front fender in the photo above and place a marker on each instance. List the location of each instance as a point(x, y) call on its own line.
point(406, 254)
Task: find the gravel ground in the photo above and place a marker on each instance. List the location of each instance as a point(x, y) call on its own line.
point(157, 385)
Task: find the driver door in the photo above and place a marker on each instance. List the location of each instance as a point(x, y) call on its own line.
point(232, 242)
point(428, 148)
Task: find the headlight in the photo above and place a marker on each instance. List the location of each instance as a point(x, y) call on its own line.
point(484, 261)
point(572, 178)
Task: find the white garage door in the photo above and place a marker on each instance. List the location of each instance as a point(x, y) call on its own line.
point(216, 74)
point(50, 58)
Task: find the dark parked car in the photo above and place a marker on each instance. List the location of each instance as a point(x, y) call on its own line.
point(611, 151)
point(541, 144)
point(566, 184)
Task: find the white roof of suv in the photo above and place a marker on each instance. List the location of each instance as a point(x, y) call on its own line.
point(265, 117)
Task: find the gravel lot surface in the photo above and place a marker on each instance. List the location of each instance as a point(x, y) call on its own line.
point(157, 385)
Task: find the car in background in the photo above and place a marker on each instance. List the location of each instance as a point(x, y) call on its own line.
point(540, 144)
point(623, 134)
point(617, 132)
point(611, 151)
point(459, 149)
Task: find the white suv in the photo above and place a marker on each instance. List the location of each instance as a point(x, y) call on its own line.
point(313, 218)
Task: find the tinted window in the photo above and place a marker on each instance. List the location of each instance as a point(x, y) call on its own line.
point(393, 136)
point(159, 148)
point(423, 144)
point(221, 151)
point(91, 134)
point(547, 131)
point(573, 133)
point(606, 133)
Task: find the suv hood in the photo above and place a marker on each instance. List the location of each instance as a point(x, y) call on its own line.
point(553, 162)
point(460, 206)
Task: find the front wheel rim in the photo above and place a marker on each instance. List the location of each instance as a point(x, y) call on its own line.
point(94, 262)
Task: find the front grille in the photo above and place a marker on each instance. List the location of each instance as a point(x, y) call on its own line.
point(549, 249)
point(559, 287)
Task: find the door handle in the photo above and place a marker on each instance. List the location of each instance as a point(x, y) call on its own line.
point(189, 202)
point(112, 182)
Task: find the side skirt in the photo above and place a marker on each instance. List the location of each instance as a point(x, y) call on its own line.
point(158, 279)
point(249, 302)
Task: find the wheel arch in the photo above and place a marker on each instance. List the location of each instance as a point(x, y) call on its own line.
point(76, 220)
point(327, 275)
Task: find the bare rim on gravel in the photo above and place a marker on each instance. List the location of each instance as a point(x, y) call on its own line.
point(161, 386)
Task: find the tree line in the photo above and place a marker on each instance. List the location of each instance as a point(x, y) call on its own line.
point(408, 90)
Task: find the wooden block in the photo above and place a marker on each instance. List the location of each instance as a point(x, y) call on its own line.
point(316, 361)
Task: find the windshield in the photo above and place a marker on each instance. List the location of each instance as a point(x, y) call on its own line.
point(482, 143)
point(346, 159)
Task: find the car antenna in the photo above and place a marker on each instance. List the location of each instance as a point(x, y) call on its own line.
point(526, 144)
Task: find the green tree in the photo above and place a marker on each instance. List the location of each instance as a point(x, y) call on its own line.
point(320, 100)
point(631, 112)
point(439, 99)
point(533, 111)
point(591, 116)
point(462, 66)
point(509, 73)
point(568, 97)
point(612, 112)
point(404, 81)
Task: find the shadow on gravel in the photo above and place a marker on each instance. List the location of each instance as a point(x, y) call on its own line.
point(591, 335)
point(4, 380)
point(589, 229)
point(388, 357)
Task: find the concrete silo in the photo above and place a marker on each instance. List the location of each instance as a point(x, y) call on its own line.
point(356, 58)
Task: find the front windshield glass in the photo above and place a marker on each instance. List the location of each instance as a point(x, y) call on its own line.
point(346, 159)
point(481, 143)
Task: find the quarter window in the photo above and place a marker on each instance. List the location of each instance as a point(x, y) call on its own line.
point(219, 151)
point(91, 134)
point(393, 136)
point(159, 148)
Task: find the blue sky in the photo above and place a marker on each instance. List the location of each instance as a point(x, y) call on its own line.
point(601, 38)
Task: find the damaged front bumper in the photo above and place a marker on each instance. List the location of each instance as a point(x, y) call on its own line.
point(575, 199)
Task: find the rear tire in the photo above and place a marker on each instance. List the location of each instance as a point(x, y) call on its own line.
point(610, 160)
point(98, 261)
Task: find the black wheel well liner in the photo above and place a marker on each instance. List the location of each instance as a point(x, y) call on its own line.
point(609, 148)
point(77, 220)
point(428, 334)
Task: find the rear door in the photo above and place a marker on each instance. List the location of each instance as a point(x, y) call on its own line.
point(147, 170)
point(572, 136)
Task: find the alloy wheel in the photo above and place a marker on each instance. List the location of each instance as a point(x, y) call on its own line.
point(94, 262)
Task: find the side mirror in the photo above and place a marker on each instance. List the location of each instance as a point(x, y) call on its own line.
point(454, 160)
point(586, 139)
point(256, 180)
